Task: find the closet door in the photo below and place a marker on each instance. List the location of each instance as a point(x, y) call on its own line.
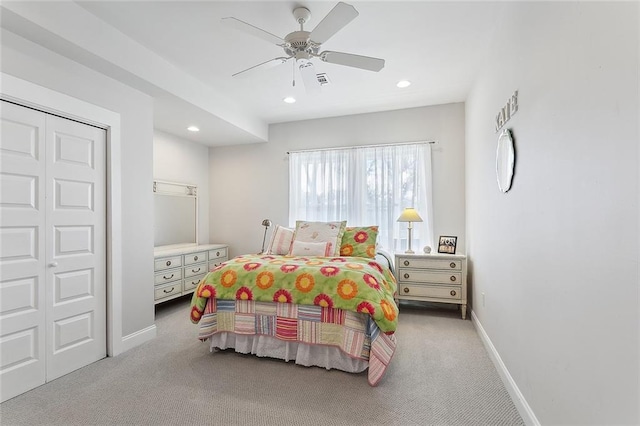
point(22, 250)
point(76, 245)
point(52, 247)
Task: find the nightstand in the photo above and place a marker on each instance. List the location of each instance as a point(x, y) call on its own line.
point(433, 278)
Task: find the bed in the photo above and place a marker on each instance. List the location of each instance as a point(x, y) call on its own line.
point(327, 311)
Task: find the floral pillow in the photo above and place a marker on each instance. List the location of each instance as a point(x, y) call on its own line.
point(280, 241)
point(320, 232)
point(359, 241)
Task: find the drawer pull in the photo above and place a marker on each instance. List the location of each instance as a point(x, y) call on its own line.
point(168, 263)
point(217, 254)
point(169, 291)
point(406, 263)
point(452, 264)
point(452, 292)
point(195, 271)
point(195, 258)
point(406, 290)
point(167, 278)
point(452, 278)
point(406, 276)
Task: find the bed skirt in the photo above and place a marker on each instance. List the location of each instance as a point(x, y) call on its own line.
point(328, 357)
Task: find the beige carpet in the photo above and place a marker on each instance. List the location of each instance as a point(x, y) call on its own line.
point(440, 375)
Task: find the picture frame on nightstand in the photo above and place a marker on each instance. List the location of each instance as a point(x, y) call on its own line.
point(447, 244)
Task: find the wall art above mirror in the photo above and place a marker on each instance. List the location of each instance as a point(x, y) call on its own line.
point(505, 160)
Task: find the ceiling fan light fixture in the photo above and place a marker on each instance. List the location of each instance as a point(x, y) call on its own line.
point(403, 83)
point(193, 129)
point(289, 100)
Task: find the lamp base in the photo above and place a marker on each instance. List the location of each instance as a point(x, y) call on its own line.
point(409, 251)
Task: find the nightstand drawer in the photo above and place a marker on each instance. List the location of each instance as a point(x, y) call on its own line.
point(428, 276)
point(167, 263)
point(168, 276)
point(193, 270)
point(453, 293)
point(422, 263)
point(192, 258)
point(168, 290)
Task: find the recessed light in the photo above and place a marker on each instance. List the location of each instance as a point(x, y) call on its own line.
point(403, 83)
point(289, 100)
point(193, 129)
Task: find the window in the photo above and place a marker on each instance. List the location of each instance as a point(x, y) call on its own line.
point(365, 186)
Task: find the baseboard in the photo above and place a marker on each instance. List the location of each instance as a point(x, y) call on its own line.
point(516, 396)
point(137, 338)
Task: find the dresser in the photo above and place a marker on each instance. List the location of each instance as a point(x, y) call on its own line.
point(179, 269)
point(433, 278)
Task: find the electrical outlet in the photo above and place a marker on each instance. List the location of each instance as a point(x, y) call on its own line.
point(482, 299)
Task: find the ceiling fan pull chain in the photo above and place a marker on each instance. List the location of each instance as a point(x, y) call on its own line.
point(294, 73)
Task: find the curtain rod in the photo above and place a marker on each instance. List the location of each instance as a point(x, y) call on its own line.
point(361, 146)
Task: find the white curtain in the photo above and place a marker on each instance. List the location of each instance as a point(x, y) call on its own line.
point(365, 186)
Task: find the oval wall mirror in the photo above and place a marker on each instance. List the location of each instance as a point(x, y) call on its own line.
point(505, 160)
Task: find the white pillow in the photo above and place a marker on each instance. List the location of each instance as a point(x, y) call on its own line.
point(280, 241)
point(321, 232)
point(301, 248)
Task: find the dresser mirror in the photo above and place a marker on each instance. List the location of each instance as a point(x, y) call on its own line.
point(175, 213)
point(505, 160)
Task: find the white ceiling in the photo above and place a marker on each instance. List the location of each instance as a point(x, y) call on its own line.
point(181, 54)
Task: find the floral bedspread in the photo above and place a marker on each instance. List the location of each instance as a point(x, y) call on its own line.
point(349, 283)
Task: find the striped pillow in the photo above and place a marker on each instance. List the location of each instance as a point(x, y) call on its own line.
point(280, 241)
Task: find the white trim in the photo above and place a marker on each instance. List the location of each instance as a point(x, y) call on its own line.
point(32, 95)
point(521, 404)
point(139, 337)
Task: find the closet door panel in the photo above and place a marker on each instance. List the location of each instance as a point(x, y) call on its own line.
point(22, 250)
point(76, 245)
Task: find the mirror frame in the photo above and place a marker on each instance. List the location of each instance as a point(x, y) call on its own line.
point(505, 160)
point(183, 190)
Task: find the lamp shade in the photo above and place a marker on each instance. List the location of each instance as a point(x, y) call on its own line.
point(409, 215)
point(266, 223)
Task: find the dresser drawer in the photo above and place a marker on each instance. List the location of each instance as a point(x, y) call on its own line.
point(422, 263)
point(195, 269)
point(167, 263)
point(428, 276)
point(168, 276)
point(216, 263)
point(172, 289)
point(191, 283)
point(192, 258)
point(452, 293)
point(218, 253)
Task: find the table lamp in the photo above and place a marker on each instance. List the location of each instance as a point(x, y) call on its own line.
point(266, 223)
point(409, 215)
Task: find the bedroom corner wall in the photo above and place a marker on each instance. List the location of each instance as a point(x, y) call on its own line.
point(28, 61)
point(179, 160)
point(557, 256)
point(251, 182)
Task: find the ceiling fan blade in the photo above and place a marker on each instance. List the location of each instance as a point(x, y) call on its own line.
point(253, 30)
point(351, 60)
point(335, 20)
point(309, 77)
point(267, 64)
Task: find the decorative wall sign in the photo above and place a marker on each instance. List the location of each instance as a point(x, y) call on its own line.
point(507, 111)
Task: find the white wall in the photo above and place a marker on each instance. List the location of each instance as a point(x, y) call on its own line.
point(557, 256)
point(251, 183)
point(179, 160)
point(28, 61)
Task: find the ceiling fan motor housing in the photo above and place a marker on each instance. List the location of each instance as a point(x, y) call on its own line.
point(297, 42)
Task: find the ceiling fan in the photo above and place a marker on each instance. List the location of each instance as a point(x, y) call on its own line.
point(303, 46)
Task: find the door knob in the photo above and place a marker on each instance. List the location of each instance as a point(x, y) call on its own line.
point(53, 264)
